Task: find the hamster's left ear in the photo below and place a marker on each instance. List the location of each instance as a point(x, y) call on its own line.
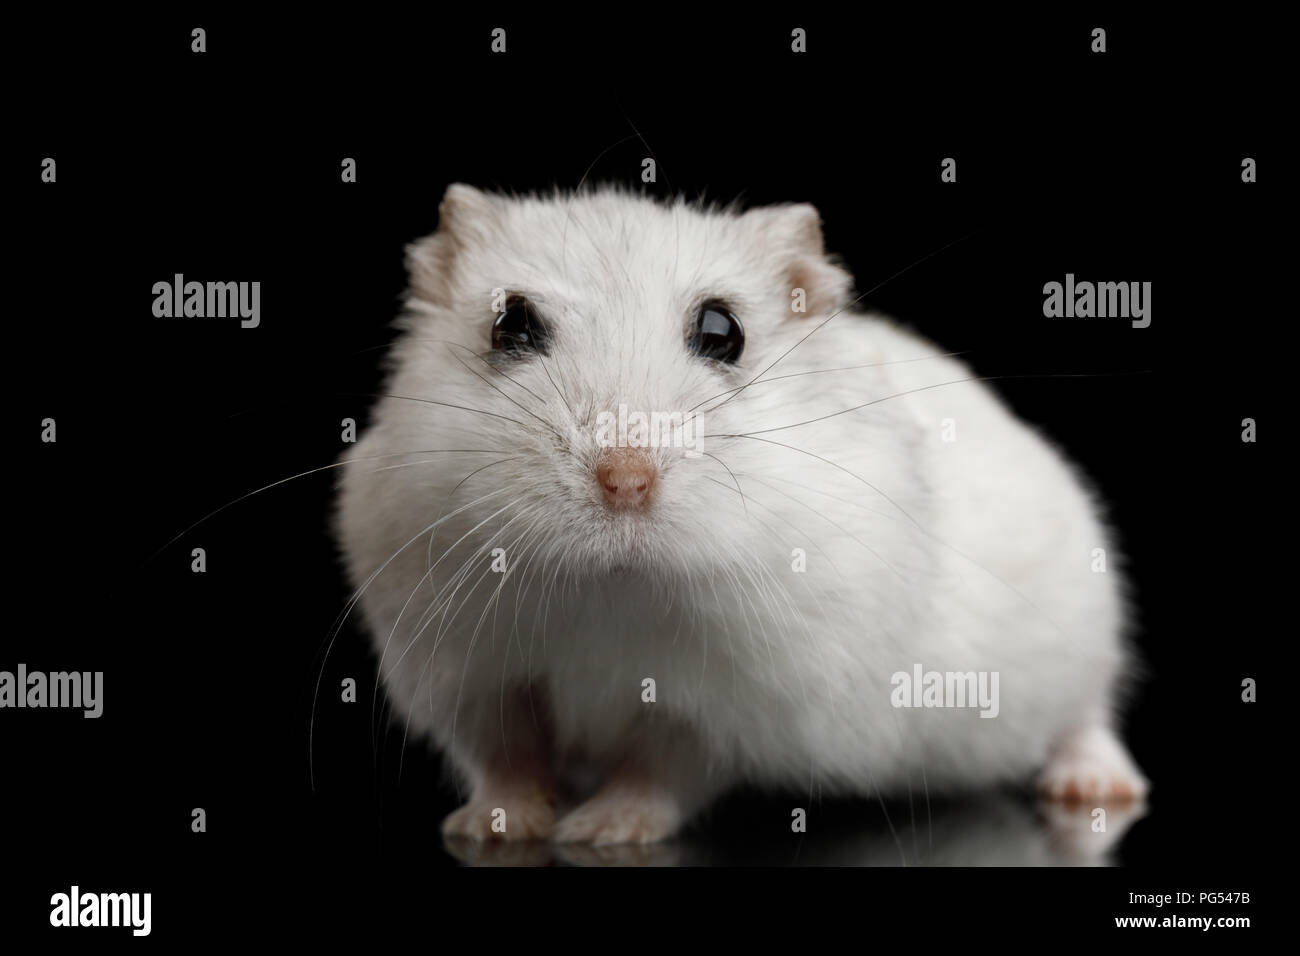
point(792, 233)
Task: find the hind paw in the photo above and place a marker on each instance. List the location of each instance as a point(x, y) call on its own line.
point(1092, 765)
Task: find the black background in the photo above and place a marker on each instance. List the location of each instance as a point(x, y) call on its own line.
point(225, 165)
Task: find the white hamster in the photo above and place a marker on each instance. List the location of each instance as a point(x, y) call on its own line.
point(823, 509)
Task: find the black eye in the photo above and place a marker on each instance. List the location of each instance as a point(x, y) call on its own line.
point(718, 334)
point(519, 328)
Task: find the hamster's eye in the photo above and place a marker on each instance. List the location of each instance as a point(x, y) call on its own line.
point(718, 334)
point(519, 329)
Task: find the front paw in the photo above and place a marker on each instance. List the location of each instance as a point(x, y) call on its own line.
point(523, 815)
point(621, 817)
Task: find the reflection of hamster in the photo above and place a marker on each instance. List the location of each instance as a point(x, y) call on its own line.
point(552, 584)
point(985, 829)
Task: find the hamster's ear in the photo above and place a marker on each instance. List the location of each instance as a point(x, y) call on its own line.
point(792, 232)
point(429, 260)
point(461, 204)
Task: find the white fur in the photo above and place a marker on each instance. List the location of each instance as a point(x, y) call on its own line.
point(968, 555)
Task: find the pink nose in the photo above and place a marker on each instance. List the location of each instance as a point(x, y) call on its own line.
point(626, 475)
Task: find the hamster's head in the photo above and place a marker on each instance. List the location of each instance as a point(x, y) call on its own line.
point(601, 342)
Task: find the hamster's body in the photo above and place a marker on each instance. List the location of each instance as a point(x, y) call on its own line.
point(859, 511)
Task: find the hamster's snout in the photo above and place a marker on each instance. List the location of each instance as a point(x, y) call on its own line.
point(625, 475)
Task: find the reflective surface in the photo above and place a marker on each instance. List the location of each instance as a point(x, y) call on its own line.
point(986, 830)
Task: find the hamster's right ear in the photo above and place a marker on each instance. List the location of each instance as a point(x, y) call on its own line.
point(429, 260)
point(462, 203)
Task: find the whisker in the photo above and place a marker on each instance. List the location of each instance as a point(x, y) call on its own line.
point(352, 602)
point(430, 401)
point(823, 371)
point(567, 406)
point(743, 502)
point(923, 388)
point(494, 368)
point(822, 324)
point(817, 491)
point(568, 207)
point(837, 526)
point(917, 524)
point(428, 557)
point(798, 530)
point(379, 670)
point(477, 554)
point(526, 411)
point(312, 471)
point(469, 561)
point(833, 464)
